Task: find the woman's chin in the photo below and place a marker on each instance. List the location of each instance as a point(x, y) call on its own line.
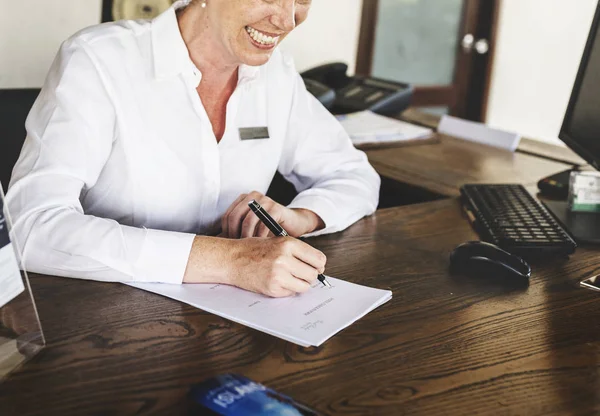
point(257, 59)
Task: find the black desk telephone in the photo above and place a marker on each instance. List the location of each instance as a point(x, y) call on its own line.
point(342, 94)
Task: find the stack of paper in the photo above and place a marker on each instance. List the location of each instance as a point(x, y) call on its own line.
point(308, 319)
point(366, 127)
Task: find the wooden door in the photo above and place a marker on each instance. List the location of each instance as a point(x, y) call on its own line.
point(443, 47)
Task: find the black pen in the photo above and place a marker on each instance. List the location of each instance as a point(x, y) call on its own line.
point(276, 229)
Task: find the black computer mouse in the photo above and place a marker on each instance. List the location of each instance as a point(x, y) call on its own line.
point(481, 259)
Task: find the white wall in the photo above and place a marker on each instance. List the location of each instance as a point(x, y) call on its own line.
point(329, 34)
point(539, 46)
point(31, 32)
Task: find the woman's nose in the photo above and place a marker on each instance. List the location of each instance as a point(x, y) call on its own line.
point(285, 17)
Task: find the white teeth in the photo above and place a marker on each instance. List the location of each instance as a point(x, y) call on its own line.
point(261, 37)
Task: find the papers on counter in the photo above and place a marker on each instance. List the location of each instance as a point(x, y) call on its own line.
point(308, 319)
point(366, 127)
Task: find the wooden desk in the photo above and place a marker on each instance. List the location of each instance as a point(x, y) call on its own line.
point(527, 145)
point(441, 346)
point(444, 167)
point(440, 169)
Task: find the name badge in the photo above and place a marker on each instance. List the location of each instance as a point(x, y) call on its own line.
point(254, 133)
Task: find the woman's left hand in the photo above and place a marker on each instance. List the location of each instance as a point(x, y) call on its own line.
point(240, 222)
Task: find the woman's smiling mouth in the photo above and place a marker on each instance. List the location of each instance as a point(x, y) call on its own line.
point(261, 39)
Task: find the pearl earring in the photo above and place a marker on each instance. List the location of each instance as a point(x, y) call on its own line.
point(203, 4)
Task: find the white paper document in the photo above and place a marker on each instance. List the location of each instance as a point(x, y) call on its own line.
point(367, 127)
point(308, 319)
point(478, 132)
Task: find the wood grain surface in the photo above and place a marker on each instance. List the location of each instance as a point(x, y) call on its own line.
point(550, 151)
point(444, 167)
point(442, 346)
point(526, 145)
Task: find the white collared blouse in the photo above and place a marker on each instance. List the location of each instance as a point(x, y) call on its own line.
point(121, 169)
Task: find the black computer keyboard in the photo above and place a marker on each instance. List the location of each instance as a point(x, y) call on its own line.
point(508, 216)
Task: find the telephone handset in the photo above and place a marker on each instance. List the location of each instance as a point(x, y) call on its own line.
point(332, 75)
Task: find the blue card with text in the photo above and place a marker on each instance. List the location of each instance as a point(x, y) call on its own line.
point(235, 395)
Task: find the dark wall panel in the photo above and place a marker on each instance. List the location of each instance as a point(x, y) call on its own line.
point(14, 107)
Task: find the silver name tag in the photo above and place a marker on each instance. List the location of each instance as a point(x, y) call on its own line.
point(254, 133)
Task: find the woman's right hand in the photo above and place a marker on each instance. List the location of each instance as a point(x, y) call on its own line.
point(275, 267)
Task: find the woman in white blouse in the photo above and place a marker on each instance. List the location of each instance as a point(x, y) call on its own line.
point(135, 167)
